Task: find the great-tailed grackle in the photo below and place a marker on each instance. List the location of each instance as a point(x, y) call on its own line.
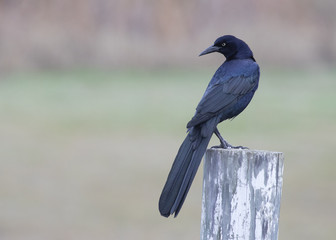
point(227, 95)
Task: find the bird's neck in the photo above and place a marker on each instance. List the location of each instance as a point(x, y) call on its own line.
point(241, 55)
point(243, 52)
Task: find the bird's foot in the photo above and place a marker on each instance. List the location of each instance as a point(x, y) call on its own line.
point(225, 145)
point(237, 147)
point(229, 146)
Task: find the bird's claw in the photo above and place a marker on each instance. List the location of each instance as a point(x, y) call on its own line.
point(238, 147)
point(226, 145)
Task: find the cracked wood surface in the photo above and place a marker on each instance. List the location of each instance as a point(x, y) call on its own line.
point(241, 194)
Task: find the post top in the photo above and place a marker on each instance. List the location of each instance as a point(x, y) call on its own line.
point(238, 150)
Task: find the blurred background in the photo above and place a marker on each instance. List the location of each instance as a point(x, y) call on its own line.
point(95, 96)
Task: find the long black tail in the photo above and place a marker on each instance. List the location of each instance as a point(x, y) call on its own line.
point(185, 167)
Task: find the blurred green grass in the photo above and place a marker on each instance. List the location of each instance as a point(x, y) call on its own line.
point(85, 153)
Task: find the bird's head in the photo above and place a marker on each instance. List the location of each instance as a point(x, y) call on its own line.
point(231, 47)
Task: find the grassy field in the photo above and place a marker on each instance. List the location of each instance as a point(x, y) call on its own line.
point(84, 154)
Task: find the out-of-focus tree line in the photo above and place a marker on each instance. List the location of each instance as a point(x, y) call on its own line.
point(45, 34)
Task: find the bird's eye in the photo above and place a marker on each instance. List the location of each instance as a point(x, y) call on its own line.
point(223, 44)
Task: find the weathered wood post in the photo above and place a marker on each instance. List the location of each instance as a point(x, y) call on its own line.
point(241, 194)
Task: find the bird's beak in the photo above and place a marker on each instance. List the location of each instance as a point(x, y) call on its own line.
point(210, 50)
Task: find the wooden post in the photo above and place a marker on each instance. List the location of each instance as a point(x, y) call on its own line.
point(241, 194)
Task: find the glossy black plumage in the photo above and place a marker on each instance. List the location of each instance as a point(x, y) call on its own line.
point(227, 95)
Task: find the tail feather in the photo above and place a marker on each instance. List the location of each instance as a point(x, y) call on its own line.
point(175, 178)
point(198, 154)
point(184, 169)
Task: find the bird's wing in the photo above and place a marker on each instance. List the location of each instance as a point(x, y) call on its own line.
point(222, 96)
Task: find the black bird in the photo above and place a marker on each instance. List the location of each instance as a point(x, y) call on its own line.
point(227, 95)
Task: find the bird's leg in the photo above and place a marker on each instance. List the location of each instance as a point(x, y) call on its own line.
point(224, 144)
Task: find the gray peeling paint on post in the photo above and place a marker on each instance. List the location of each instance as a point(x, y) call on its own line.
point(241, 194)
